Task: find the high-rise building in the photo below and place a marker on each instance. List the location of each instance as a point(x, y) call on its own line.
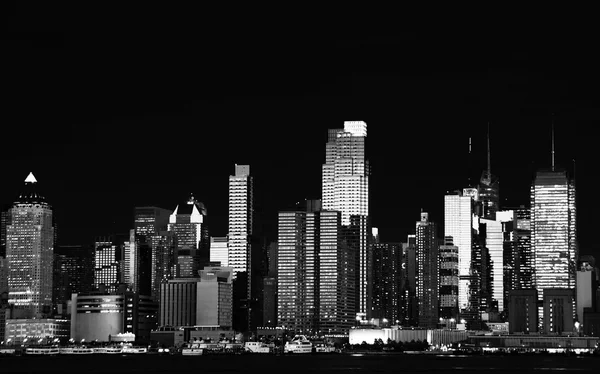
point(241, 218)
point(494, 242)
point(73, 273)
point(448, 294)
point(188, 224)
point(388, 282)
point(458, 223)
point(427, 271)
point(553, 232)
point(345, 188)
point(164, 246)
point(409, 264)
point(4, 220)
point(219, 250)
point(107, 264)
point(143, 259)
point(243, 252)
point(315, 275)
point(30, 252)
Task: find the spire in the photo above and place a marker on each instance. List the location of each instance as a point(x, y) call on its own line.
point(552, 141)
point(469, 165)
point(30, 178)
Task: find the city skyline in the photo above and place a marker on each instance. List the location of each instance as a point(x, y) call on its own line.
point(123, 130)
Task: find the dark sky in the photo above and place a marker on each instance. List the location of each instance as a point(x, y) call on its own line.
point(112, 111)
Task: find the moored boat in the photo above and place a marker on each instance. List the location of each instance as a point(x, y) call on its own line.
point(76, 350)
point(192, 349)
point(299, 344)
point(42, 351)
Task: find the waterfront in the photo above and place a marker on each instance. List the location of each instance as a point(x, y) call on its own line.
point(334, 363)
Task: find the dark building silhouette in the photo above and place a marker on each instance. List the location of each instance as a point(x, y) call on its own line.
point(411, 315)
point(388, 278)
point(522, 311)
point(73, 273)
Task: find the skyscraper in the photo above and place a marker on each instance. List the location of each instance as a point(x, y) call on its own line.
point(553, 231)
point(107, 264)
point(345, 188)
point(448, 294)
point(241, 218)
point(148, 260)
point(315, 275)
point(30, 252)
point(427, 271)
point(243, 253)
point(188, 224)
point(458, 223)
point(388, 282)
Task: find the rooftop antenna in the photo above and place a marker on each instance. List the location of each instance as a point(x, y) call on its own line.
point(552, 141)
point(469, 164)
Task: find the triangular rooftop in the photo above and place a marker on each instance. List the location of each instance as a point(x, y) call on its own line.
point(30, 178)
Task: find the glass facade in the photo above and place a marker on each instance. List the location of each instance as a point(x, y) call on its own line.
point(388, 277)
point(553, 231)
point(345, 188)
point(30, 253)
point(458, 223)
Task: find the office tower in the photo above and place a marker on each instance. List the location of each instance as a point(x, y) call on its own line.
point(448, 294)
point(215, 295)
point(30, 252)
point(202, 301)
point(315, 275)
point(553, 232)
point(243, 253)
point(164, 268)
point(558, 306)
point(148, 222)
point(489, 188)
point(411, 305)
point(73, 273)
point(427, 271)
point(388, 282)
point(522, 311)
point(345, 188)
point(272, 259)
point(107, 261)
point(587, 286)
point(188, 223)
point(3, 296)
point(4, 220)
point(479, 282)
point(494, 242)
point(458, 223)
point(219, 250)
point(241, 218)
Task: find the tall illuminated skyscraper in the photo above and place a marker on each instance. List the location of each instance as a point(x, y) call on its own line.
point(30, 252)
point(241, 219)
point(458, 223)
point(427, 271)
point(553, 230)
point(345, 188)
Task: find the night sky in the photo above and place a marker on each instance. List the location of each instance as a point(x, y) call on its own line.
point(111, 112)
